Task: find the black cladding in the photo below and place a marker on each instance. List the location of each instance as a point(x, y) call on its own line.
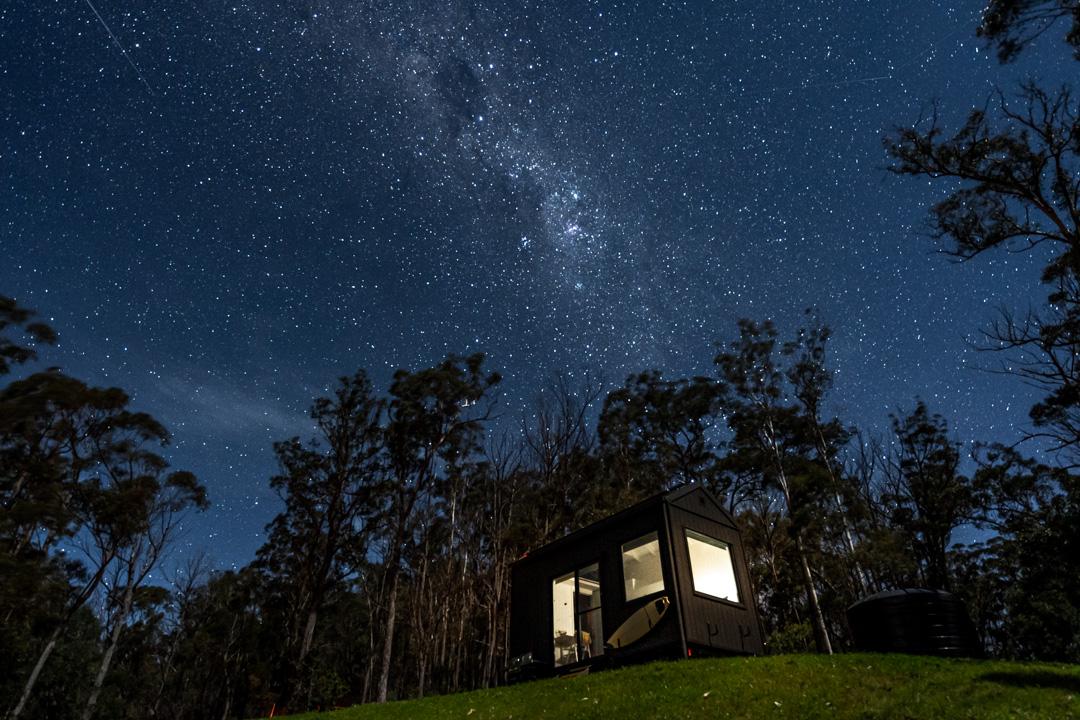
point(694, 623)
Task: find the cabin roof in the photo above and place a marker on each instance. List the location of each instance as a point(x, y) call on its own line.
point(613, 520)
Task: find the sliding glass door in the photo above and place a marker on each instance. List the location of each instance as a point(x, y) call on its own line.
point(578, 625)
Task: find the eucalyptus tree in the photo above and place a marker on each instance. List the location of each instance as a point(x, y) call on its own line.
point(770, 432)
point(1012, 25)
point(28, 332)
point(137, 507)
point(660, 433)
point(327, 488)
point(498, 504)
point(810, 380)
point(558, 460)
point(1013, 172)
point(927, 495)
point(1030, 565)
point(433, 431)
point(81, 470)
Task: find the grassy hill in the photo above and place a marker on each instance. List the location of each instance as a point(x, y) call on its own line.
point(784, 686)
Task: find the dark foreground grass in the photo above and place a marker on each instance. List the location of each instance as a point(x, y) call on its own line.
point(785, 686)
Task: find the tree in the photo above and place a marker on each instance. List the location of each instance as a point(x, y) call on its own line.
point(770, 434)
point(222, 642)
point(1012, 25)
point(15, 319)
point(327, 488)
point(927, 496)
point(76, 459)
point(810, 381)
point(498, 507)
point(22, 458)
point(187, 582)
point(430, 435)
point(75, 469)
point(1018, 189)
point(134, 519)
point(775, 573)
point(1031, 565)
point(883, 552)
point(1016, 186)
point(663, 433)
point(563, 479)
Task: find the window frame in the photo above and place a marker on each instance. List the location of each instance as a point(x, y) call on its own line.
point(660, 560)
point(708, 539)
point(576, 573)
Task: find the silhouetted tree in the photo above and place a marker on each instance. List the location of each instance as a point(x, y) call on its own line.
point(882, 550)
point(82, 467)
point(927, 495)
point(78, 472)
point(663, 433)
point(1018, 188)
point(430, 434)
point(810, 381)
point(770, 433)
point(327, 487)
point(564, 483)
point(499, 506)
point(224, 640)
point(136, 514)
point(1030, 566)
point(19, 321)
point(1012, 25)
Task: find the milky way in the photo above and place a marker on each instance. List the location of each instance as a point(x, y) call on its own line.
point(294, 190)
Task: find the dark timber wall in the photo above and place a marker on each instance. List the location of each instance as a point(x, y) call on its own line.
point(712, 623)
point(531, 625)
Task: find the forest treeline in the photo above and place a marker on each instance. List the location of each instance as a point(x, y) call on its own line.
point(385, 574)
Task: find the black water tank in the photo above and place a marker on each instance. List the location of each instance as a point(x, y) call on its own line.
point(918, 621)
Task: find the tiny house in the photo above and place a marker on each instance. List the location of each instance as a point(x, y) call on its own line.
point(664, 578)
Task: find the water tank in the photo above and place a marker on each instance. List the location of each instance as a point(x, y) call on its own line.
point(914, 620)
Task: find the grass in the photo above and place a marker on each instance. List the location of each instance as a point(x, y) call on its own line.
point(853, 686)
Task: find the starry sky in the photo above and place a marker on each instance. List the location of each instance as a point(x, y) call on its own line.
point(224, 206)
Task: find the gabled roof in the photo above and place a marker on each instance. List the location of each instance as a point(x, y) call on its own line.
point(668, 496)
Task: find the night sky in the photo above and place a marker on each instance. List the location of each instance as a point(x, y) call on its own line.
point(224, 206)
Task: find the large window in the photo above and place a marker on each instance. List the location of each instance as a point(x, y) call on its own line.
point(711, 566)
point(642, 574)
point(579, 632)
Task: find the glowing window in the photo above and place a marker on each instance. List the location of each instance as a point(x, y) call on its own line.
point(642, 574)
point(579, 632)
point(711, 566)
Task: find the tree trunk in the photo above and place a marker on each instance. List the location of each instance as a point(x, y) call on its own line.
point(421, 674)
point(817, 619)
point(821, 633)
point(114, 640)
point(388, 639)
point(166, 669)
point(228, 703)
point(32, 680)
point(488, 669)
point(848, 537)
point(78, 602)
point(458, 650)
point(309, 635)
point(422, 629)
point(370, 664)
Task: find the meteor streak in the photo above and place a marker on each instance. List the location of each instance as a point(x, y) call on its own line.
point(122, 50)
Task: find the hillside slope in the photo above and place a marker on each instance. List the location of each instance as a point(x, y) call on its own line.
point(785, 686)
